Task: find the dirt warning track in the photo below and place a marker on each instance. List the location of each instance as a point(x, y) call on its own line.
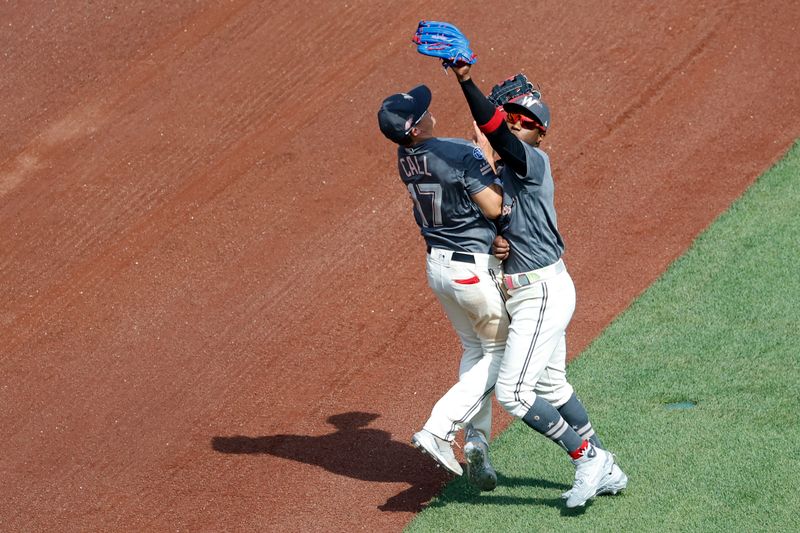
point(213, 311)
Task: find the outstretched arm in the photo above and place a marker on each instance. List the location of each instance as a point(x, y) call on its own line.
point(491, 122)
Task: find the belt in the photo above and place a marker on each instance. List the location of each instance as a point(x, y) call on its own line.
point(515, 281)
point(458, 256)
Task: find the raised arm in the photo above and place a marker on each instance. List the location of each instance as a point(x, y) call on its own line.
point(491, 122)
point(480, 139)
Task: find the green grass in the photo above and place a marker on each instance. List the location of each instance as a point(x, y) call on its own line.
point(720, 328)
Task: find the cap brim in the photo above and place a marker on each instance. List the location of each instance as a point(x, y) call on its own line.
point(511, 107)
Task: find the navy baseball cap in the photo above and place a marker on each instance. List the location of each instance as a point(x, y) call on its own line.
point(531, 106)
point(402, 111)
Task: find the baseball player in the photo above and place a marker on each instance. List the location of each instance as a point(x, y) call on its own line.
point(531, 383)
point(455, 196)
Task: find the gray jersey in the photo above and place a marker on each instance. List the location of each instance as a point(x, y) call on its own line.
point(530, 227)
point(440, 175)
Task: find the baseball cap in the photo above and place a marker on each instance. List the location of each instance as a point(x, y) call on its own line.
point(531, 106)
point(400, 112)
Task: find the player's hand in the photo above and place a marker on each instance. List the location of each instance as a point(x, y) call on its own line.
point(500, 248)
point(461, 71)
point(477, 135)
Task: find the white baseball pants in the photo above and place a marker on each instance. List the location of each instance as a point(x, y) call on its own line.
point(473, 299)
point(535, 359)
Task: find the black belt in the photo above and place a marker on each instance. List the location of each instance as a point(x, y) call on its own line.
point(458, 256)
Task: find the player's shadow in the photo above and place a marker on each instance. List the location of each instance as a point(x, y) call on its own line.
point(355, 451)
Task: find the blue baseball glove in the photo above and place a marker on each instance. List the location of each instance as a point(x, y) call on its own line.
point(445, 41)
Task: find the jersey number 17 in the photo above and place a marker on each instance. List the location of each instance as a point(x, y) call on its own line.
point(427, 198)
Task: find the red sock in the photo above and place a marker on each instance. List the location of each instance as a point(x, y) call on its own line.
point(577, 454)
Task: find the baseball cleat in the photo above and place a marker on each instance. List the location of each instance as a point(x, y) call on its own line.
point(479, 470)
point(614, 482)
point(439, 449)
point(590, 472)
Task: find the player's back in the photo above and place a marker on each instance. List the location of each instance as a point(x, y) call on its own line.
point(441, 175)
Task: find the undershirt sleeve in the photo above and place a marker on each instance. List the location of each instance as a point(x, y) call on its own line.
point(492, 123)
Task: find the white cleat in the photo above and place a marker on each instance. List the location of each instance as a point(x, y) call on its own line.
point(479, 470)
point(590, 472)
point(613, 483)
point(439, 449)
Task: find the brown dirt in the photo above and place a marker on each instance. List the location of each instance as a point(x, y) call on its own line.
point(213, 312)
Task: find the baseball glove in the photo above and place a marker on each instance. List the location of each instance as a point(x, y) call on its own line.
point(512, 88)
point(445, 41)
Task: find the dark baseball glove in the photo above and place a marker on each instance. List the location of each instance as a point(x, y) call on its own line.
point(512, 88)
point(445, 41)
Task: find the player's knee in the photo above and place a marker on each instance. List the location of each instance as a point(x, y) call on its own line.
point(509, 399)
